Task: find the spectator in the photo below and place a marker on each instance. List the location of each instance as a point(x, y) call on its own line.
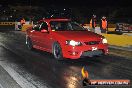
point(22, 22)
point(93, 23)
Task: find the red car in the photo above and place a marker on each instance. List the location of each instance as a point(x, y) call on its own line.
point(65, 39)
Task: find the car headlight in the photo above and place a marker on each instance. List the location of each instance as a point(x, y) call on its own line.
point(73, 43)
point(104, 41)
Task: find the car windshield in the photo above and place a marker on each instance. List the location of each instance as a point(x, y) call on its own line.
point(66, 26)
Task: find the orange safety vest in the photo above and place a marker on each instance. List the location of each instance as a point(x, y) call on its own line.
point(91, 23)
point(104, 24)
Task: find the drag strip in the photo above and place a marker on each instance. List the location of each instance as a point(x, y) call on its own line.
point(40, 67)
point(8, 66)
point(18, 78)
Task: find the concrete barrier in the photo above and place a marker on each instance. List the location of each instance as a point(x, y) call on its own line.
point(7, 23)
point(111, 29)
point(119, 40)
point(97, 30)
point(7, 26)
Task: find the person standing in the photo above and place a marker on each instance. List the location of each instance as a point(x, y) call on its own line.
point(22, 22)
point(93, 23)
point(103, 25)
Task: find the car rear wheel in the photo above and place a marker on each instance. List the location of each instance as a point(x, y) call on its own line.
point(57, 51)
point(29, 44)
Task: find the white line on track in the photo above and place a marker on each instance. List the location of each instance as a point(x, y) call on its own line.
point(1, 86)
point(18, 78)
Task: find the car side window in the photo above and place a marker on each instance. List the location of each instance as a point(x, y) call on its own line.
point(43, 26)
point(36, 27)
point(76, 26)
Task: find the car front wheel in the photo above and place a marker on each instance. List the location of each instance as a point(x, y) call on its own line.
point(57, 51)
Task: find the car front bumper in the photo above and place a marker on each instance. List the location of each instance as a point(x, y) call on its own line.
point(75, 52)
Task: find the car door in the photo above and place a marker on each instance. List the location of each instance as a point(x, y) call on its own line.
point(45, 39)
point(34, 34)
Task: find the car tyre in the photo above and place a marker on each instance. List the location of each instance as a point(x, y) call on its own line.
point(29, 44)
point(57, 51)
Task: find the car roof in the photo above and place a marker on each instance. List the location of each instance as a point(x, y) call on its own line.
point(55, 19)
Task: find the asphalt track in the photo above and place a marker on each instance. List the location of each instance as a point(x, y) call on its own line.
point(40, 70)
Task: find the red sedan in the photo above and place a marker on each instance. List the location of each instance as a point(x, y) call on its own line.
point(65, 39)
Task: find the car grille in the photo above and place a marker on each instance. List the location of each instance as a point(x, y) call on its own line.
point(92, 53)
point(92, 43)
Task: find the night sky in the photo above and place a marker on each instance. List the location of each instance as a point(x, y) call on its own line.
point(69, 3)
point(79, 8)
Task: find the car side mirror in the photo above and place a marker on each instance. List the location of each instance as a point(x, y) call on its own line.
point(44, 31)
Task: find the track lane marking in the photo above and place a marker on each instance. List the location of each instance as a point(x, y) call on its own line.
point(18, 78)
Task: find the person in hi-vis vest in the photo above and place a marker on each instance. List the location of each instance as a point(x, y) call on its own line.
point(103, 25)
point(93, 23)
